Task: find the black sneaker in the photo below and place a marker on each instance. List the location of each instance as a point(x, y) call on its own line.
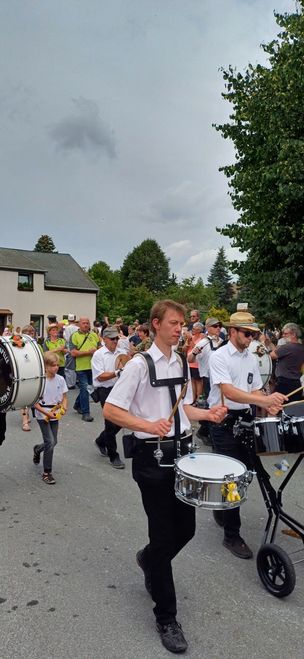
point(103, 449)
point(36, 456)
point(141, 562)
point(238, 547)
point(87, 417)
point(48, 479)
point(172, 637)
point(117, 463)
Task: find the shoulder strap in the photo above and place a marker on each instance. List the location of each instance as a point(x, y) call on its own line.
point(165, 382)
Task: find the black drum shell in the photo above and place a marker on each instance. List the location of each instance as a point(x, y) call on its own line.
point(269, 436)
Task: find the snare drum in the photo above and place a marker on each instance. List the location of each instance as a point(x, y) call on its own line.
point(209, 480)
point(22, 374)
point(269, 435)
point(293, 424)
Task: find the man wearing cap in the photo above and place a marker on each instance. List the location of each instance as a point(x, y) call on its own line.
point(202, 351)
point(83, 344)
point(236, 382)
point(105, 375)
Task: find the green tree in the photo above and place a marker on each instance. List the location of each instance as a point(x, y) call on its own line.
point(267, 178)
point(220, 279)
point(147, 264)
point(45, 244)
point(111, 297)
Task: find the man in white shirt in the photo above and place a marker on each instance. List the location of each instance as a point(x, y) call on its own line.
point(142, 400)
point(105, 374)
point(236, 382)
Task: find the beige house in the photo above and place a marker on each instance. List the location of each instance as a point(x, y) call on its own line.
point(37, 284)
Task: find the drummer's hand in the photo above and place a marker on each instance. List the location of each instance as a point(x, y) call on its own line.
point(217, 413)
point(273, 411)
point(276, 400)
point(160, 428)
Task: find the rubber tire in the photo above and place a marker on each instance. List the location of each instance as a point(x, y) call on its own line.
point(272, 556)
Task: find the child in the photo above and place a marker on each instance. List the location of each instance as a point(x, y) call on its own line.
point(55, 394)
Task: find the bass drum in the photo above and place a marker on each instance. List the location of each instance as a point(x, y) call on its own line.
point(264, 362)
point(22, 373)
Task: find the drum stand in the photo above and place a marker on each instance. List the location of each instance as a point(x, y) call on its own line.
point(275, 568)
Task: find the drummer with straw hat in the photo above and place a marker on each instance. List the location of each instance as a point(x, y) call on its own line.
point(236, 382)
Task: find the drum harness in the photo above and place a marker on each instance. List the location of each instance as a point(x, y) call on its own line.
point(170, 383)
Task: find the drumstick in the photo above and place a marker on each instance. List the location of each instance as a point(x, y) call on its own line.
point(296, 391)
point(222, 396)
point(181, 395)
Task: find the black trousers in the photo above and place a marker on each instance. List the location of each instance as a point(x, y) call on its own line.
point(171, 524)
point(107, 438)
point(225, 443)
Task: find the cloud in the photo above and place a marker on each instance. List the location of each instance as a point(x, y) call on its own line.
point(84, 130)
point(179, 249)
point(181, 204)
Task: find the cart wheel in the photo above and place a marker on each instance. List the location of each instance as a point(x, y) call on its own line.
point(276, 570)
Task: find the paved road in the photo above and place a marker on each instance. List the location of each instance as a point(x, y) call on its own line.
point(70, 587)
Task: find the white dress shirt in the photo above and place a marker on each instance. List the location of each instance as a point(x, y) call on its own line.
point(133, 391)
point(103, 361)
point(230, 366)
point(204, 356)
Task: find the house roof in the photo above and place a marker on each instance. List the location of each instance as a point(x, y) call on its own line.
point(60, 271)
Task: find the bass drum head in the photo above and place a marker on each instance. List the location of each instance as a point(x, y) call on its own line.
point(22, 374)
point(265, 367)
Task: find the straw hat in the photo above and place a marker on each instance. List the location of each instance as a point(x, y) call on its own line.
point(243, 320)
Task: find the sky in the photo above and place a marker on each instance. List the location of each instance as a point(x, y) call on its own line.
point(106, 113)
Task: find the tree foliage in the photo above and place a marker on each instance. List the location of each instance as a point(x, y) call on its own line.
point(220, 279)
point(266, 180)
point(45, 244)
point(110, 300)
point(148, 265)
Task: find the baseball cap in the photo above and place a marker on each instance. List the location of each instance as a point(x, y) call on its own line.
point(110, 332)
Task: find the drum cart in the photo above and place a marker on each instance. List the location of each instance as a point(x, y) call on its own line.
point(275, 568)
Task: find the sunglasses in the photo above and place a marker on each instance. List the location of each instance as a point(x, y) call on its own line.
point(217, 325)
point(246, 333)
point(116, 338)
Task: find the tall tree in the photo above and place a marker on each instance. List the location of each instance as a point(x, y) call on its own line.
point(147, 264)
point(111, 297)
point(267, 178)
point(45, 244)
point(220, 279)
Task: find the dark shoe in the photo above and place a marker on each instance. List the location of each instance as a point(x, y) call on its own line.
point(218, 516)
point(103, 449)
point(238, 547)
point(87, 417)
point(141, 562)
point(172, 637)
point(48, 479)
point(117, 463)
point(36, 456)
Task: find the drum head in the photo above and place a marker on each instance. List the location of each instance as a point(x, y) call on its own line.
point(210, 465)
point(265, 366)
point(294, 409)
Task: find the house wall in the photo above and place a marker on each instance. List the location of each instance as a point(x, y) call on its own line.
point(42, 302)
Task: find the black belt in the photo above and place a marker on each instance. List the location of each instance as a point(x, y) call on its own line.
point(166, 441)
point(168, 445)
